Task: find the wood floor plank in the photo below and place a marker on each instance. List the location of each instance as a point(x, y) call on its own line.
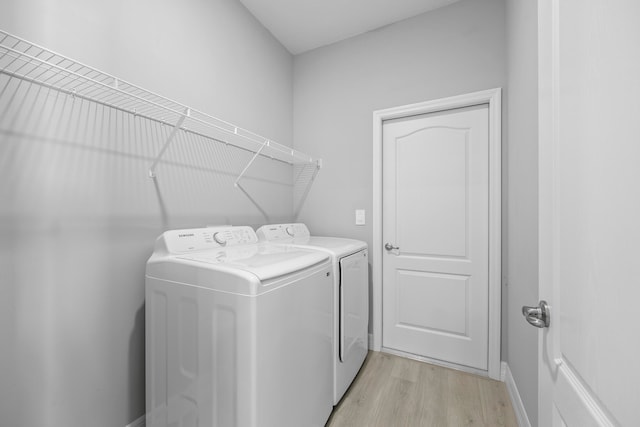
point(393, 391)
point(496, 404)
point(431, 398)
point(359, 405)
point(464, 407)
point(405, 369)
point(395, 406)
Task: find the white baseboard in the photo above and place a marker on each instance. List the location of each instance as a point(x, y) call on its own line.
point(516, 401)
point(140, 422)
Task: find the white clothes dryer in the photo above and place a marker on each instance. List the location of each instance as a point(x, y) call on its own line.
point(238, 333)
point(351, 295)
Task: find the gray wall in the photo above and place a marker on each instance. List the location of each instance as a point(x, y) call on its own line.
point(453, 50)
point(78, 215)
point(522, 219)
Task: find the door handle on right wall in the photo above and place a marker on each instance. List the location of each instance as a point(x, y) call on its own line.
point(539, 316)
point(390, 247)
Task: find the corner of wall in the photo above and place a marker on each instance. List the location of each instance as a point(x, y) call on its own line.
point(514, 395)
point(140, 422)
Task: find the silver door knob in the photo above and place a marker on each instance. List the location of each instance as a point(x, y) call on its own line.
point(390, 247)
point(539, 316)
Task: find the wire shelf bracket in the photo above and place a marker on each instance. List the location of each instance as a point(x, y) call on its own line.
point(246, 168)
point(176, 128)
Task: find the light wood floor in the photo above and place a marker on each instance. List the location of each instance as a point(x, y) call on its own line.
point(393, 391)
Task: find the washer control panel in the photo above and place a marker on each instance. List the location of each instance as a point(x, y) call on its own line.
point(198, 239)
point(276, 232)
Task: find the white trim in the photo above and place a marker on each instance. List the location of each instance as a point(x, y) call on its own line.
point(140, 422)
point(376, 218)
point(514, 395)
point(578, 402)
point(493, 98)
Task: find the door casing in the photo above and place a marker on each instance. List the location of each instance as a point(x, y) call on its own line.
point(492, 97)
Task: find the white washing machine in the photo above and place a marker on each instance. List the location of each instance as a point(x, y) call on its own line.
point(238, 333)
point(351, 295)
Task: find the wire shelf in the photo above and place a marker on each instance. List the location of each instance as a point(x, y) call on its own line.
point(32, 63)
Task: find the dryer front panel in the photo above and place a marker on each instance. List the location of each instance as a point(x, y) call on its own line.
point(353, 319)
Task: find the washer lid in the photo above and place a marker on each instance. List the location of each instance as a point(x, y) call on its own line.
point(265, 261)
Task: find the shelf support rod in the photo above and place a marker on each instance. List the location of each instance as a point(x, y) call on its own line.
point(176, 128)
point(253, 159)
point(254, 202)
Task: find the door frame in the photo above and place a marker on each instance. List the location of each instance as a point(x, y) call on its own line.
point(492, 97)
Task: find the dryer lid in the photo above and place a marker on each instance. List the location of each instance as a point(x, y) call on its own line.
point(298, 234)
point(336, 245)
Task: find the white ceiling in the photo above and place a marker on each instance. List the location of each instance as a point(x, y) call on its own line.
point(302, 25)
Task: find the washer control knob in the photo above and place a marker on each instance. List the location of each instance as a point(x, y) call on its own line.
point(290, 231)
point(219, 238)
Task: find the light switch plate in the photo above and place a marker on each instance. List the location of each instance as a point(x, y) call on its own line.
point(360, 217)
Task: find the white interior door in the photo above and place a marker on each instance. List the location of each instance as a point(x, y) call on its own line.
point(589, 367)
point(436, 215)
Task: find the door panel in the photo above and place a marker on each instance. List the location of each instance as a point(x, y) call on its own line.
point(451, 292)
point(589, 208)
point(435, 210)
point(434, 170)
